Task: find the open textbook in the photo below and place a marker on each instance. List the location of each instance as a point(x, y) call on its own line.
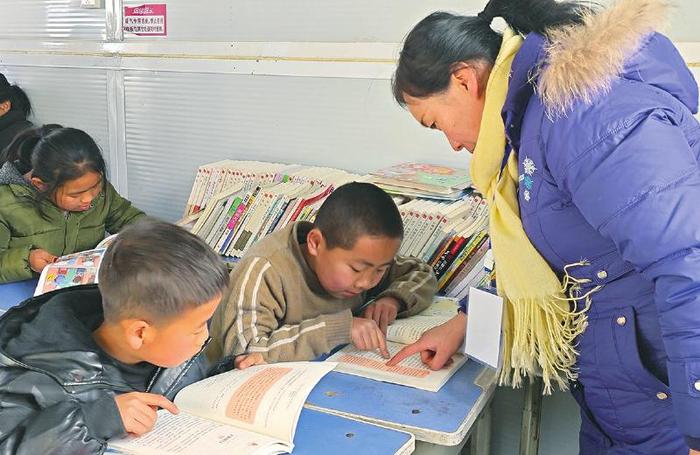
point(411, 371)
point(73, 269)
point(253, 411)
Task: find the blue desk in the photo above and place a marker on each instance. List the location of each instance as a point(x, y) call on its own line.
point(13, 293)
point(319, 433)
point(445, 418)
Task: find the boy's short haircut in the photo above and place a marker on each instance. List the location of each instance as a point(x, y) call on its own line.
point(158, 270)
point(357, 209)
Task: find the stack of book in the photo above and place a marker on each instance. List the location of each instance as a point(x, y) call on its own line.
point(452, 237)
point(235, 203)
point(423, 180)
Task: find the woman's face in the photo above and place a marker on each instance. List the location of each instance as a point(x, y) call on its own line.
point(455, 111)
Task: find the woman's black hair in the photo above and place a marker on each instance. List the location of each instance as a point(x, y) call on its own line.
point(55, 155)
point(16, 96)
point(442, 40)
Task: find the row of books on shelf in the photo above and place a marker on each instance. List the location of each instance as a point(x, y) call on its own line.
point(451, 237)
point(239, 202)
point(233, 204)
point(408, 179)
point(211, 179)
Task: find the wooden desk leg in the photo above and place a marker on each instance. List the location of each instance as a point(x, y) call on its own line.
point(532, 413)
point(480, 442)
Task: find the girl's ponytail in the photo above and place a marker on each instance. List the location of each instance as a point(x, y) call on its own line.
point(20, 150)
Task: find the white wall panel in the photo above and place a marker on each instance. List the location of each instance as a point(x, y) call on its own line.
point(339, 20)
point(176, 121)
point(69, 96)
point(302, 20)
point(50, 19)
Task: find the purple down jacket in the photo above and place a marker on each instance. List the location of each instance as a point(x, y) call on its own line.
point(615, 180)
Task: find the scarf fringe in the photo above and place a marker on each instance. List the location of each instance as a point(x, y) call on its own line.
point(544, 332)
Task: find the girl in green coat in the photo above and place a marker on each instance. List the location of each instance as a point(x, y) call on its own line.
point(54, 200)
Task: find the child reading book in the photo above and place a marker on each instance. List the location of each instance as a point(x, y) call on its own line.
point(54, 200)
point(80, 366)
point(299, 291)
point(73, 269)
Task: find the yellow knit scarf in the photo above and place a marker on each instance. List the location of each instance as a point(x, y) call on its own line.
point(540, 327)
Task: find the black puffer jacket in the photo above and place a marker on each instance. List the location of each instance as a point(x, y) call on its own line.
point(56, 394)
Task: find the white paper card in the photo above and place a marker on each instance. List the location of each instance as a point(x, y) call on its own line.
point(484, 325)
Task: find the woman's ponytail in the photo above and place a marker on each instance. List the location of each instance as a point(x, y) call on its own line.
point(525, 16)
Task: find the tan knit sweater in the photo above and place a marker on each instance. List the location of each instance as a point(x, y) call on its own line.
point(277, 307)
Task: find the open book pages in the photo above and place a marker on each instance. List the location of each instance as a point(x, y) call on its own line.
point(188, 434)
point(408, 330)
point(410, 372)
point(252, 411)
point(71, 270)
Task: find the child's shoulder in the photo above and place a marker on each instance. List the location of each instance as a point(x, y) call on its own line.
point(272, 246)
point(274, 254)
point(13, 199)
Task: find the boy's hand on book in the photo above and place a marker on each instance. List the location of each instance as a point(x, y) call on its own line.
point(367, 336)
point(244, 361)
point(437, 345)
point(138, 410)
point(39, 259)
point(383, 311)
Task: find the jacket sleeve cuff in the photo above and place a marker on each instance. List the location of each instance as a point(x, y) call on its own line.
point(103, 418)
point(406, 299)
point(338, 328)
point(15, 264)
point(683, 377)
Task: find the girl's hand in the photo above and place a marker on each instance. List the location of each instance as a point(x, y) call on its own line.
point(39, 259)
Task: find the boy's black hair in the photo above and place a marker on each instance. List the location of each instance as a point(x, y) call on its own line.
point(157, 270)
point(357, 209)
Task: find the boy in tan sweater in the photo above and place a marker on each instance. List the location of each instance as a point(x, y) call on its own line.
point(298, 292)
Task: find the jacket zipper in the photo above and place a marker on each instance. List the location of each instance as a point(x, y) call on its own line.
point(65, 231)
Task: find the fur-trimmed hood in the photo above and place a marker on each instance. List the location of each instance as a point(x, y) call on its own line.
point(582, 61)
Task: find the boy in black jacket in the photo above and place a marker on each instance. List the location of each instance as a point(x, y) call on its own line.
point(83, 365)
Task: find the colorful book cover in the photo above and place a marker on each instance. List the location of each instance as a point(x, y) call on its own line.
point(422, 175)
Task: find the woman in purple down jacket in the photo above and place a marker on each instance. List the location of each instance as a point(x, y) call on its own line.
point(598, 115)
